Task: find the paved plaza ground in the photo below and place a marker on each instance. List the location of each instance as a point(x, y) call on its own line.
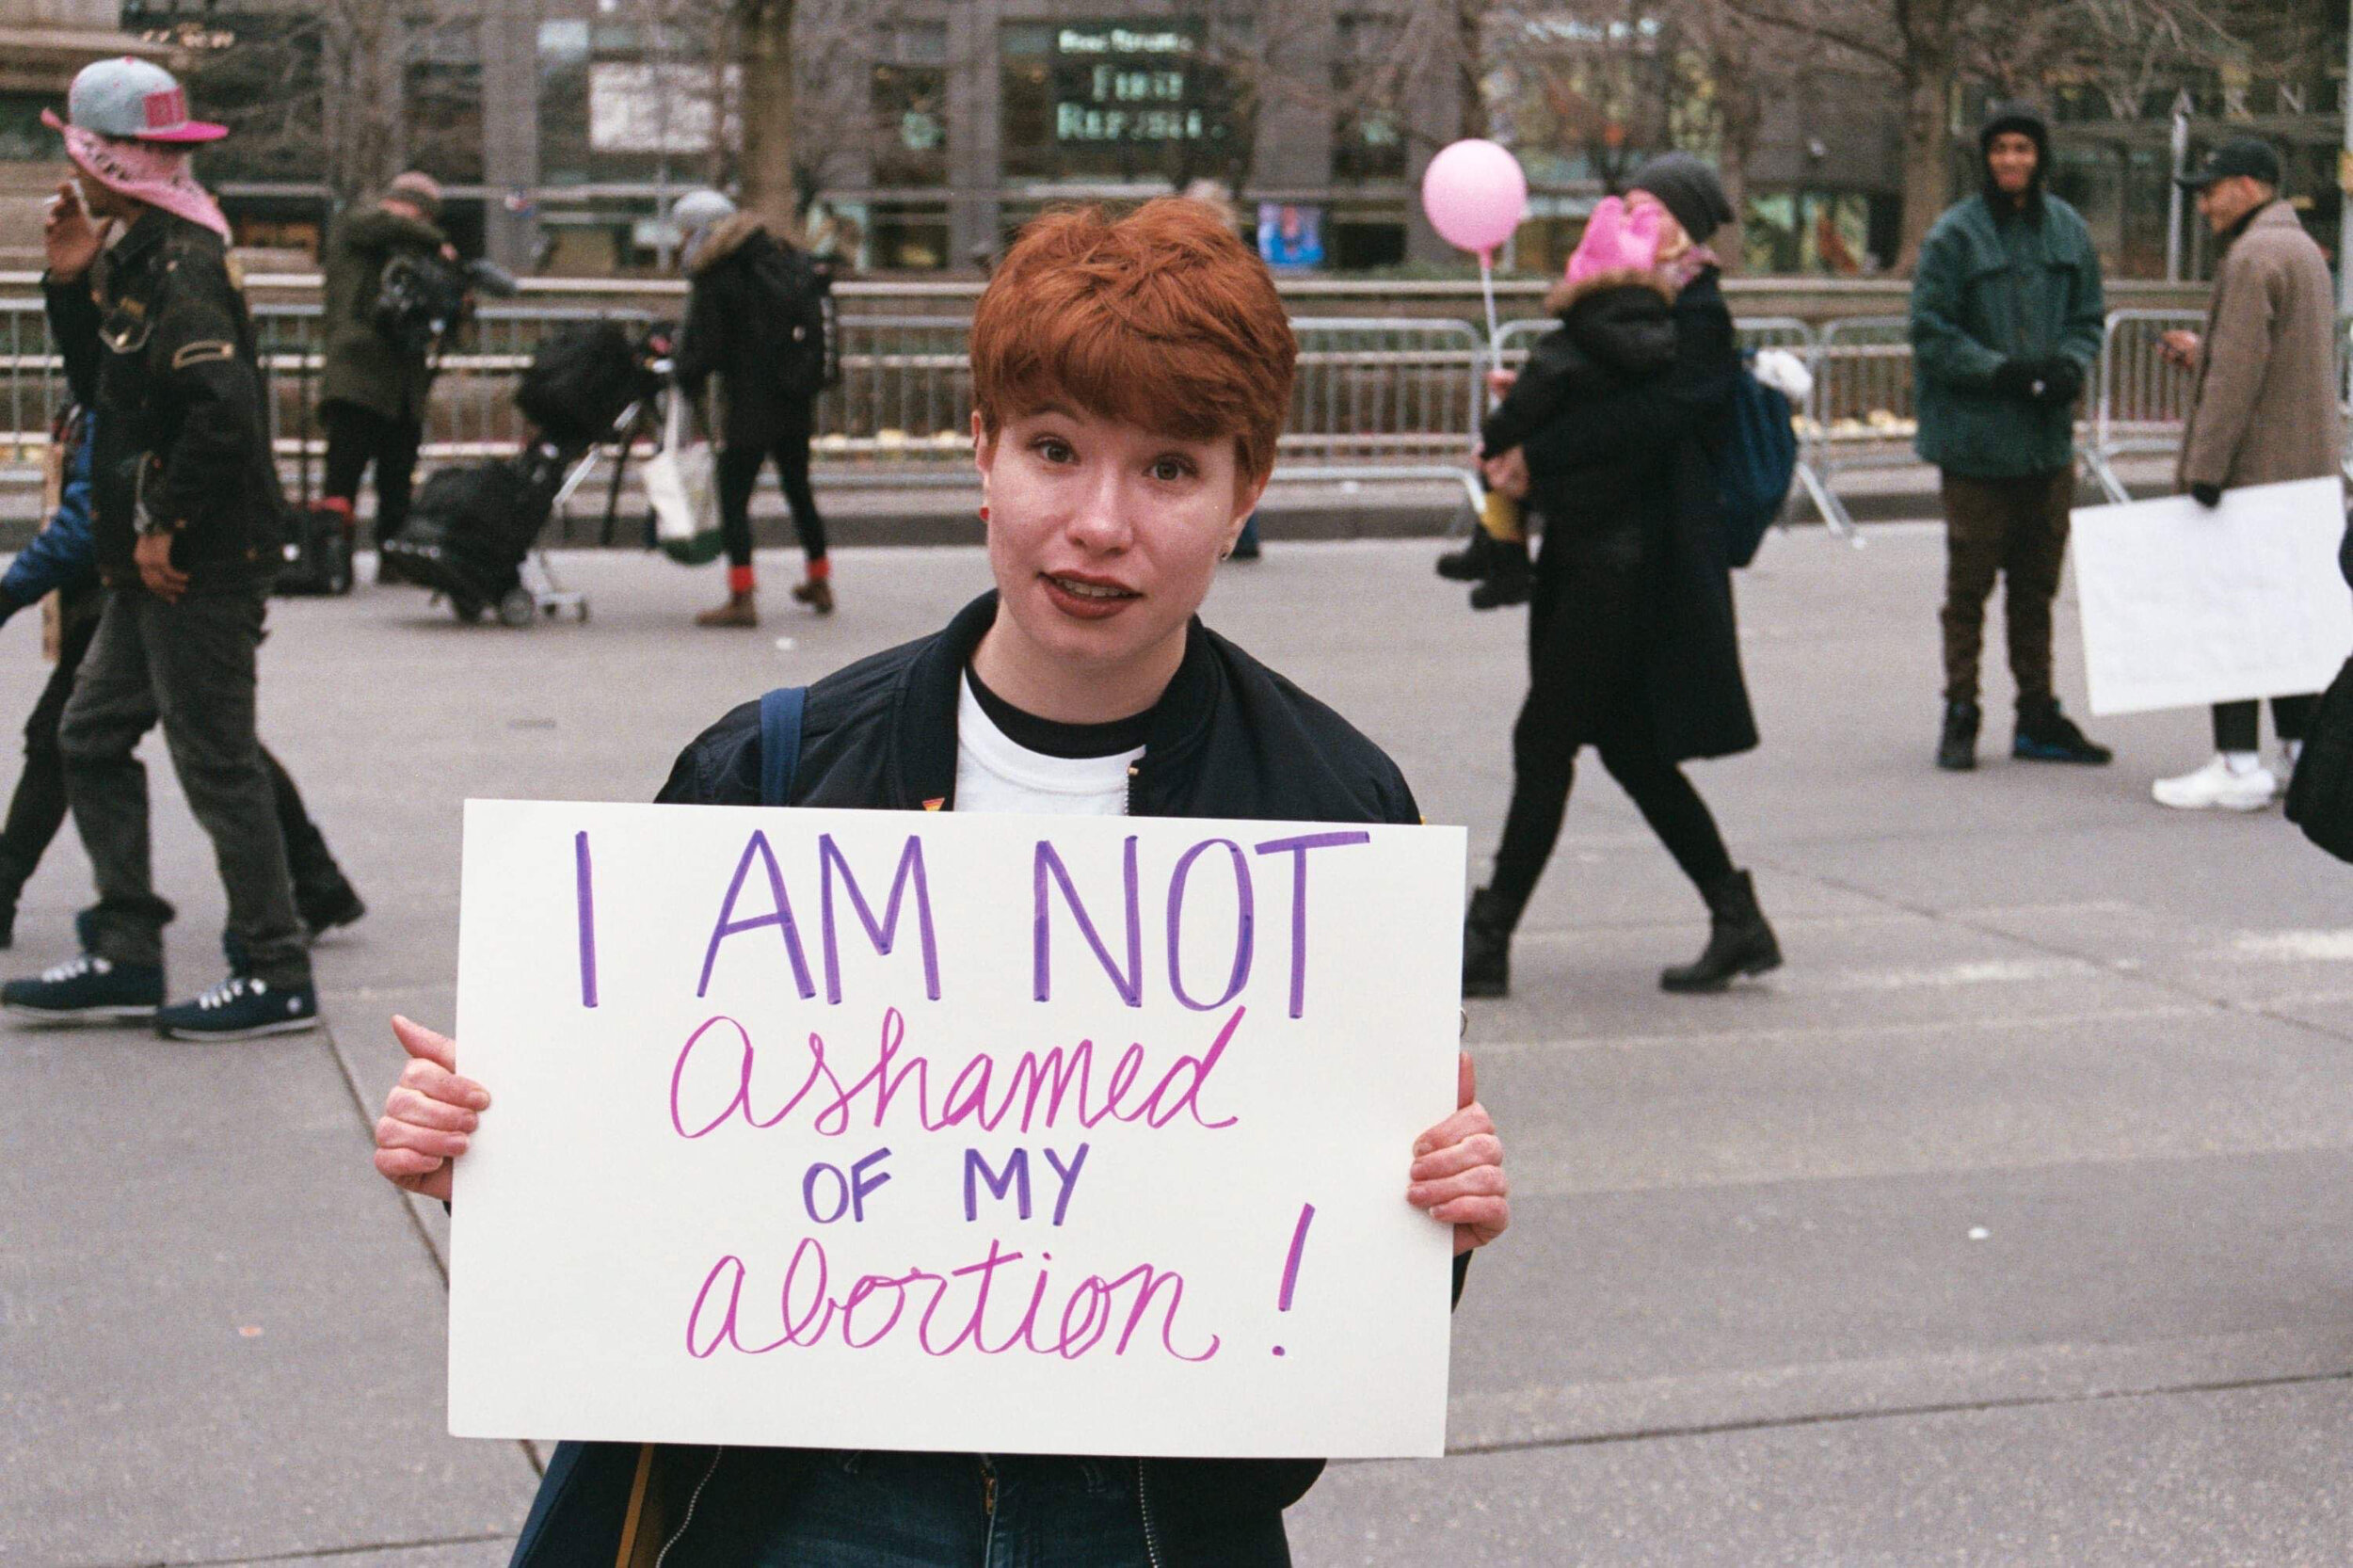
point(2010, 1223)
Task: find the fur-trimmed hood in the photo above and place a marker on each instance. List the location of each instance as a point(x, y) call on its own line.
point(725, 238)
point(1565, 295)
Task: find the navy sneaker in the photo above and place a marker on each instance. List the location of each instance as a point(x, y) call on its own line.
point(2047, 735)
point(241, 1008)
point(87, 988)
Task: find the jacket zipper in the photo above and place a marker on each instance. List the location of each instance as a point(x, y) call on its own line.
point(1143, 1505)
point(988, 1488)
point(1134, 769)
point(686, 1520)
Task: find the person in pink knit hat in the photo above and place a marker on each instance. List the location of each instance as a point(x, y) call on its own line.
point(1615, 331)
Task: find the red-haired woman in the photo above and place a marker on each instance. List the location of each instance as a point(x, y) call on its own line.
point(1129, 379)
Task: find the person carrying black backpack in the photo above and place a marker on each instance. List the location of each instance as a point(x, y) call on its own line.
point(755, 316)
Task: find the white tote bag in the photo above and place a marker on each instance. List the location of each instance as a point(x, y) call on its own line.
point(677, 486)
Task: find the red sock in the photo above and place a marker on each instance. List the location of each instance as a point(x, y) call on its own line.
point(819, 568)
point(739, 579)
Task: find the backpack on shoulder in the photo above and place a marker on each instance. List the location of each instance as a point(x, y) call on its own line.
point(800, 290)
point(1756, 460)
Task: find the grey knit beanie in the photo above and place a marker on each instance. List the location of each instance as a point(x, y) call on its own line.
point(1689, 188)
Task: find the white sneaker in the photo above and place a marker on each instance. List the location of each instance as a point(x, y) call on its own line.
point(2219, 784)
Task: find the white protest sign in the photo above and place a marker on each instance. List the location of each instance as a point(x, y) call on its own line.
point(876, 1130)
point(2185, 606)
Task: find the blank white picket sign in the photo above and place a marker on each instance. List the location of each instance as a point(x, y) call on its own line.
point(2185, 606)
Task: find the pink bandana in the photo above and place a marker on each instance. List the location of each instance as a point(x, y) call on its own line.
point(154, 174)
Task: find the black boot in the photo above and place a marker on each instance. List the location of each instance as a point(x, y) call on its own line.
point(1474, 562)
point(1957, 749)
point(328, 906)
point(2047, 735)
point(1739, 940)
point(1510, 581)
point(1487, 946)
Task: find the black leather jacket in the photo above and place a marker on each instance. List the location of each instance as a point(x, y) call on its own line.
point(157, 343)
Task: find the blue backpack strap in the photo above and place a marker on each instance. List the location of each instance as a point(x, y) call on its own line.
point(780, 742)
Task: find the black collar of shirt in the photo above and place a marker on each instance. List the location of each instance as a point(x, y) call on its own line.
point(1049, 738)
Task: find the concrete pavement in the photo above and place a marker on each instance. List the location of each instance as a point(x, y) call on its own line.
point(2009, 1223)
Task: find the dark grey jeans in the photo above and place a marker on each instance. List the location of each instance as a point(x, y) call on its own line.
point(189, 666)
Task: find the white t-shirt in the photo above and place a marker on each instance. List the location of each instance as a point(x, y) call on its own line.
point(995, 774)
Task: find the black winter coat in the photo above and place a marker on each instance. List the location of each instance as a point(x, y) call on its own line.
point(157, 344)
point(1229, 738)
point(1616, 328)
point(1626, 484)
point(765, 344)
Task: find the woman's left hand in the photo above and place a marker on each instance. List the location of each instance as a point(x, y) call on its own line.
point(1457, 1174)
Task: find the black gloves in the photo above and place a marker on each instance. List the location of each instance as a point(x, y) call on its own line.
point(2208, 496)
point(2063, 379)
point(2054, 379)
point(2018, 379)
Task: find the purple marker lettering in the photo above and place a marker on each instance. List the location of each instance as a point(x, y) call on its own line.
point(1069, 1175)
point(1159, 1110)
point(780, 917)
point(877, 1306)
point(1091, 1329)
point(1297, 849)
point(860, 1184)
point(1243, 923)
point(742, 1101)
point(584, 894)
point(1153, 1279)
point(1014, 1176)
point(1290, 1264)
point(884, 933)
point(1130, 983)
point(841, 1193)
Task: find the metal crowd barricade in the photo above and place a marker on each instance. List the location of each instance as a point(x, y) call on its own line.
point(1862, 412)
point(2142, 398)
point(1376, 398)
point(1513, 340)
point(2143, 402)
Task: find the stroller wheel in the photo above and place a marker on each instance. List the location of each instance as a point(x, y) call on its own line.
point(518, 608)
point(466, 608)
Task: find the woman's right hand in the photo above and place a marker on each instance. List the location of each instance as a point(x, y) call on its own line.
point(430, 1115)
point(1500, 382)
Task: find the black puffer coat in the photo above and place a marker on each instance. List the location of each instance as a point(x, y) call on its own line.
point(1626, 484)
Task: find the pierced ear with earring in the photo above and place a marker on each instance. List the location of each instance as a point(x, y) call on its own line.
point(983, 511)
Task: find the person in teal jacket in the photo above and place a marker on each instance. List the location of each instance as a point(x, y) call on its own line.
point(2005, 322)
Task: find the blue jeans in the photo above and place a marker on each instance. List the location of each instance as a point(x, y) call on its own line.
point(798, 1508)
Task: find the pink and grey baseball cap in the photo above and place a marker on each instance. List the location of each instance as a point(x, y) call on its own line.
point(134, 100)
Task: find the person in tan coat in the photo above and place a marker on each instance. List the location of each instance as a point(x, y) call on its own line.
point(2264, 411)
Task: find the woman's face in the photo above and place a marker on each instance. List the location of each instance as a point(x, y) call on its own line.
point(1103, 537)
point(1672, 240)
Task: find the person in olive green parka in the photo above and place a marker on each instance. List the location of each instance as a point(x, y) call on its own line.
point(2005, 323)
point(371, 397)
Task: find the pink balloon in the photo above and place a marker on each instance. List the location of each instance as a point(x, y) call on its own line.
point(1475, 194)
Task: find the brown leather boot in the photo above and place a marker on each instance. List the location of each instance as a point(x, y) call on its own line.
point(742, 609)
point(817, 593)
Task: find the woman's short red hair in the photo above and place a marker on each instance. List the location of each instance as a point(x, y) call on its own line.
point(1162, 319)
